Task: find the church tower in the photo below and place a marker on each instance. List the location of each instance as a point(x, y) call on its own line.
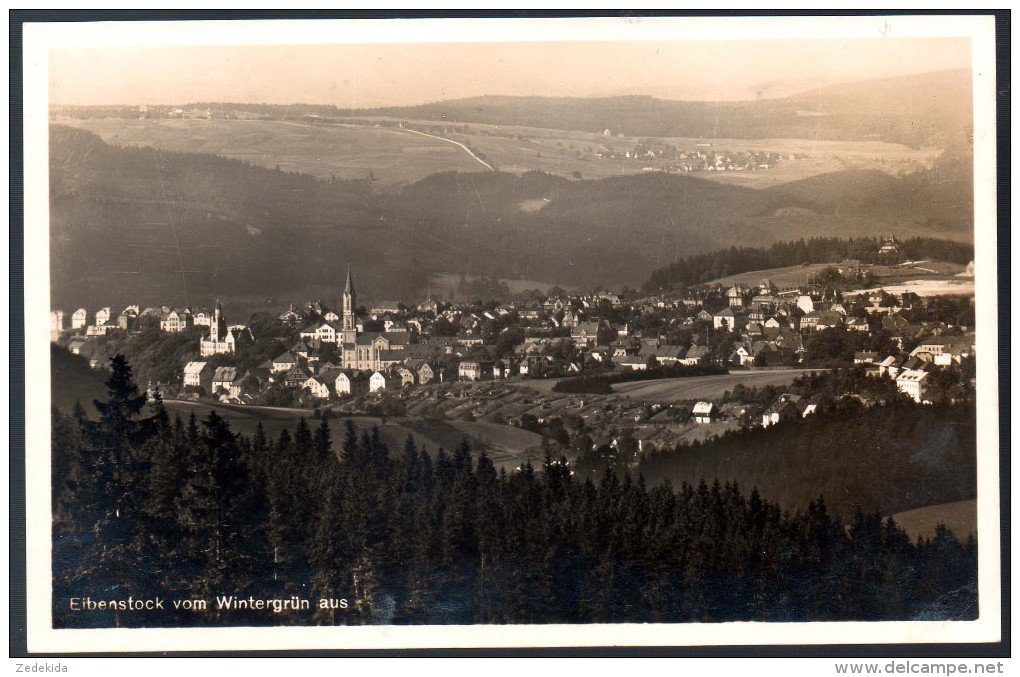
point(349, 328)
point(218, 326)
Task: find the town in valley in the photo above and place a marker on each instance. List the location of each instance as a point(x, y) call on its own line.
point(568, 354)
point(602, 366)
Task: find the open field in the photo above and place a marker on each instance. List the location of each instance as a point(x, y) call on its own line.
point(959, 517)
point(396, 157)
point(507, 446)
point(791, 276)
point(924, 278)
point(520, 149)
point(704, 387)
point(392, 156)
point(925, 288)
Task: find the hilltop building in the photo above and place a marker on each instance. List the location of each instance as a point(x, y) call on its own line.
point(223, 339)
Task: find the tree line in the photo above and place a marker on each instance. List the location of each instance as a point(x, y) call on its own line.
point(701, 268)
point(146, 505)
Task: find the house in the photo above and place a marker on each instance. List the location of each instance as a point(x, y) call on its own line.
point(174, 321)
point(827, 319)
point(695, 355)
point(427, 374)
point(704, 316)
point(202, 318)
point(475, 371)
point(285, 362)
point(865, 357)
point(591, 334)
point(198, 375)
point(328, 373)
point(79, 318)
point(290, 316)
point(943, 352)
point(127, 320)
point(377, 383)
point(858, 324)
point(705, 412)
point(223, 379)
point(742, 355)
point(912, 383)
point(888, 367)
point(783, 409)
point(729, 319)
point(670, 354)
point(632, 362)
point(469, 340)
point(735, 296)
point(295, 378)
point(325, 332)
point(406, 375)
point(317, 386)
point(58, 323)
point(102, 316)
point(353, 384)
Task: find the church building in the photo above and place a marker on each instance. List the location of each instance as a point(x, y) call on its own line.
point(370, 350)
point(223, 339)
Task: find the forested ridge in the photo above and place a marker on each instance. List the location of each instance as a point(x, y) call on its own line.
point(148, 506)
point(701, 268)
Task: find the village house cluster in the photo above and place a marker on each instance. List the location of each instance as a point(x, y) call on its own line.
point(349, 352)
point(701, 158)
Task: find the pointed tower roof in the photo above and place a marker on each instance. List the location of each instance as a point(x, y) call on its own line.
point(349, 286)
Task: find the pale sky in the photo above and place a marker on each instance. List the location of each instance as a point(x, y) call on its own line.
point(367, 75)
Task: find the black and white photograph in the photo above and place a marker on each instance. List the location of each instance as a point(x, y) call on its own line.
point(565, 332)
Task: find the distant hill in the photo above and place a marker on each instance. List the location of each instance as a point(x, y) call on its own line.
point(125, 223)
point(931, 109)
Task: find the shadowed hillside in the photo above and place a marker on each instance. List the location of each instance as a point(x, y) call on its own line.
point(73, 381)
point(884, 459)
point(125, 223)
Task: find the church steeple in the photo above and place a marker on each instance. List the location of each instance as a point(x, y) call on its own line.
point(349, 327)
point(349, 287)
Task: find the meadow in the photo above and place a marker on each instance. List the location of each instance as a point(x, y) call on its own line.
point(704, 387)
point(960, 517)
point(389, 156)
point(393, 157)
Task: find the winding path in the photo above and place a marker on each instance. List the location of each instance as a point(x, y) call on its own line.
point(456, 143)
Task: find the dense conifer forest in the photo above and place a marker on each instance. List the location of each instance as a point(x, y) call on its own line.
point(146, 506)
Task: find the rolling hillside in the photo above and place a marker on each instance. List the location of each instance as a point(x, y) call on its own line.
point(125, 223)
point(388, 156)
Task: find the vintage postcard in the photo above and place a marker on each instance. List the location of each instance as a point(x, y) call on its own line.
point(511, 332)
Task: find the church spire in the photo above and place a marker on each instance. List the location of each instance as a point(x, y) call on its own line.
point(349, 324)
point(349, 286)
